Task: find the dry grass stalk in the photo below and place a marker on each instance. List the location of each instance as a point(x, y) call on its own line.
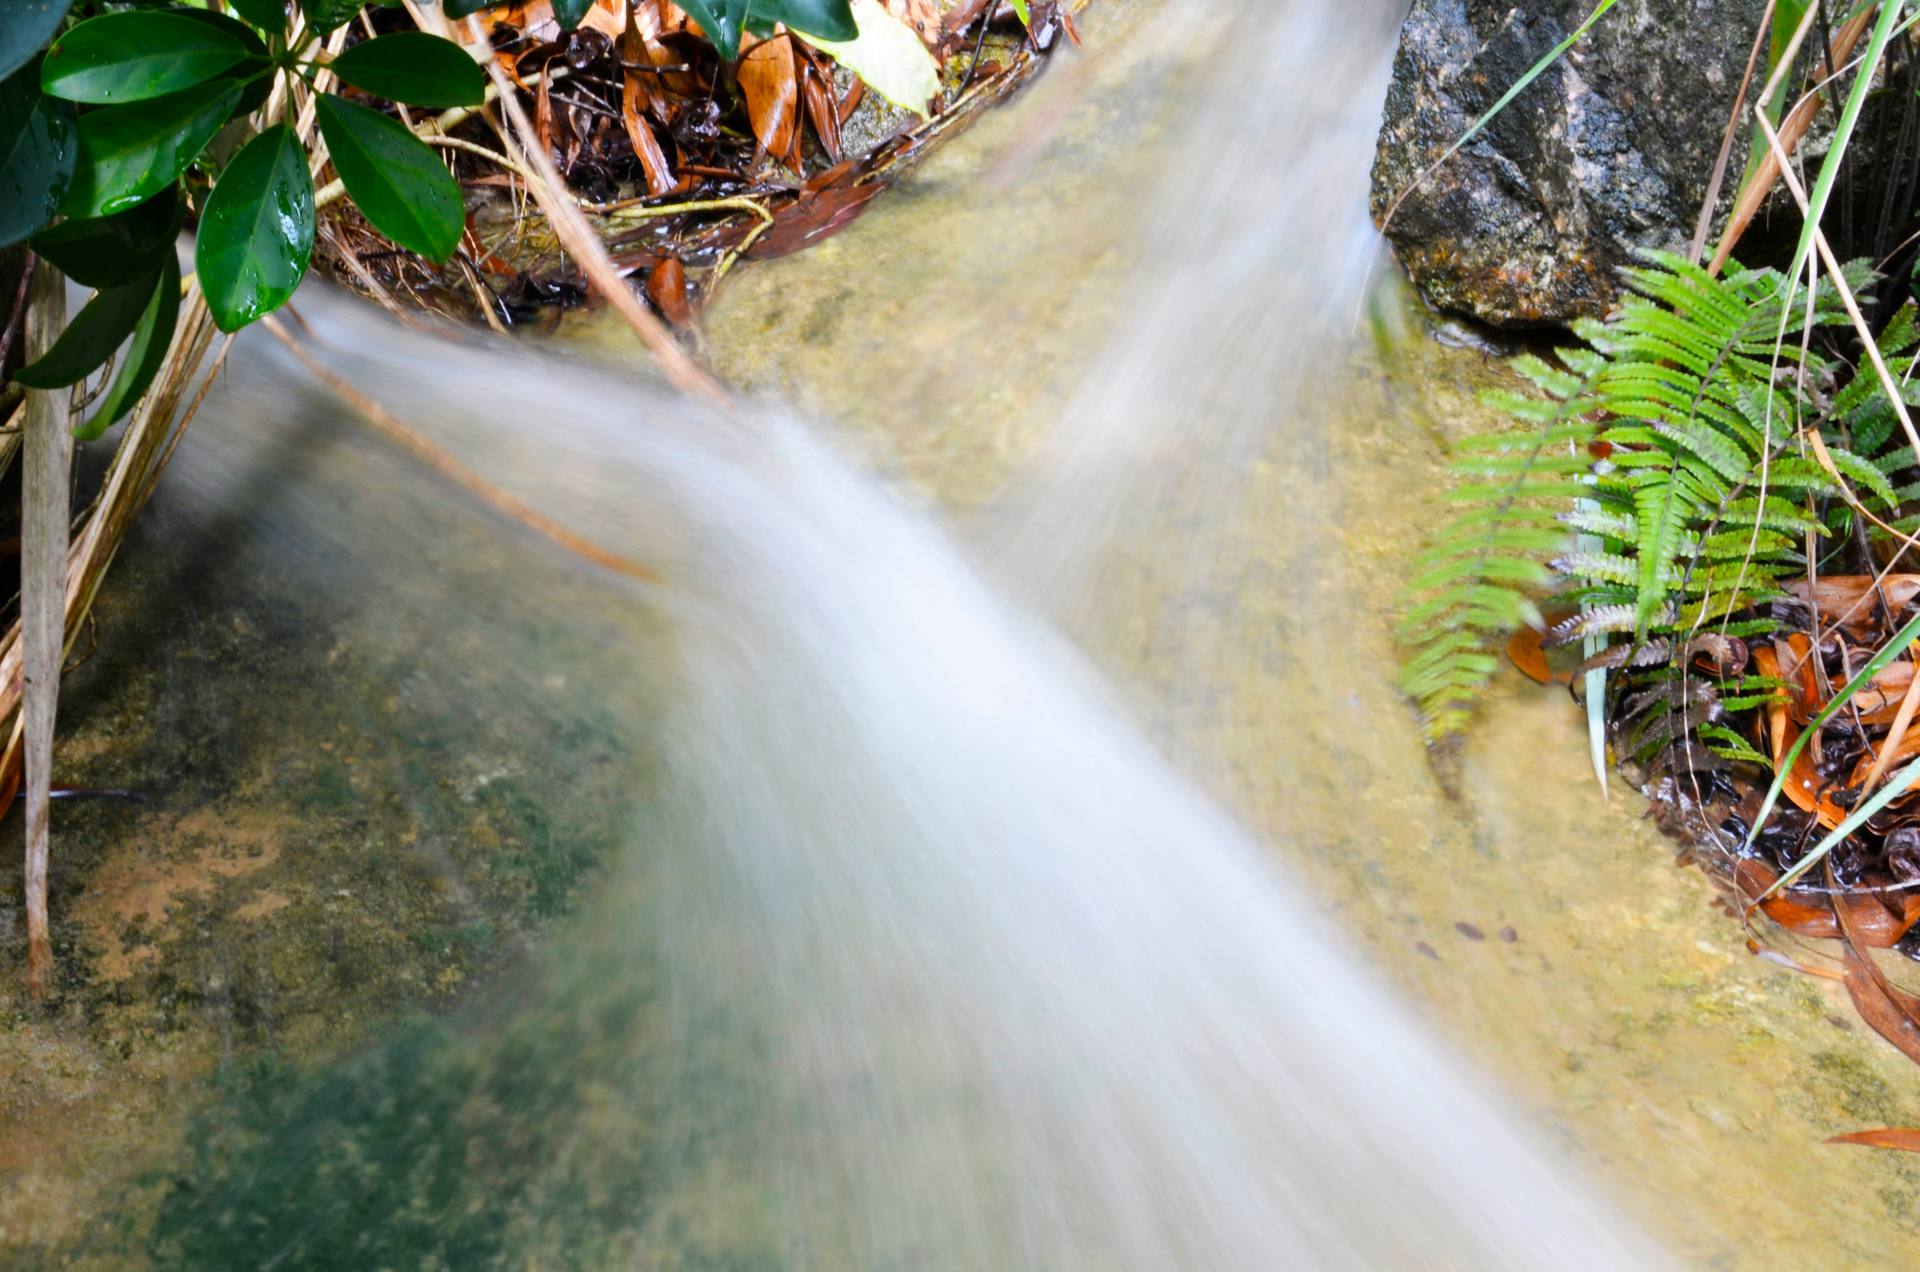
point(1754, 194)
point(1704, 223)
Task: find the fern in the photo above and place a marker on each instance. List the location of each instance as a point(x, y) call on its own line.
point(1658, 481)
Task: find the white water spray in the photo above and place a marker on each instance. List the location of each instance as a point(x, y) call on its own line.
point(996, 987)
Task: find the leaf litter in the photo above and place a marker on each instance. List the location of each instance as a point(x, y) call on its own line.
point(687, 163)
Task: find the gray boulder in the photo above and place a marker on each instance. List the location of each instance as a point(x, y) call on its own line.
point(1609, 150)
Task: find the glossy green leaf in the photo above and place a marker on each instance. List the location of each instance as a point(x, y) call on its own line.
point(28, 26)
point(461, 8)
point(415, 68)
point(257, 230)
point(568, 13)
point(252, 71)
point(828, 19)
point(269, 15)
point(324, 15)
point(90, 339)
point(145, 352)
point(128, 153)
point(38, 150)
point(721, 21)
point(132, 56)
point(1026, 19)
point(396, 180)
point(106, 251)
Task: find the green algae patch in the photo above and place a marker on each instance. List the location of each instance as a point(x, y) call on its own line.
point(429, 1148)
point(343, 817)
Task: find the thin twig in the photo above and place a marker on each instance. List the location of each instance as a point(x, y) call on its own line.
point(444, 463)
point(447, 120)
point(17, 314)
point(482, 294)
point(1705, 221)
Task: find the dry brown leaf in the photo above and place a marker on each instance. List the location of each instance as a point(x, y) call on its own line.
point(816, 89)
point(1877, 1006)
point(1753, 195)
point(543, 120)
point(646, 147)
point(767, 81)
point(1894, 745)
point(536, 19)
point(1879, 699)
point(1813, 915)
point(1809, 792)
point(644, 29)
point(923, 16)
point(1875, 925)
point(1795, 655)
point(1848, 600)
point(1908, 748)
point(672, 18)
point(815, 215)
point(1893, 1013)
point(1791, 910)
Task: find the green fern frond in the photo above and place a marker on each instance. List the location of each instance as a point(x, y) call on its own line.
point(1729, 745)
point(1855, 469)
point(1660, 474)
point(1655, 474)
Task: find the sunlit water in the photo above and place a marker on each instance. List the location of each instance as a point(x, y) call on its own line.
point(913, 939)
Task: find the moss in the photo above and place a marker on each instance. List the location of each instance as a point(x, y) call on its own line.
point(422, 1152)
point(1849, 1086)
point(544, 866)
point(520, 1133)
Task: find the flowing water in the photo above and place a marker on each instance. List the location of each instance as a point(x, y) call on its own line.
point(987, 846)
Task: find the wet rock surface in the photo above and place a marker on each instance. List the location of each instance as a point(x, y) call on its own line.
point(1611, 148)
point(373, 778)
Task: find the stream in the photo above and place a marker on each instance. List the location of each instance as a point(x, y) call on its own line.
point(996, 841)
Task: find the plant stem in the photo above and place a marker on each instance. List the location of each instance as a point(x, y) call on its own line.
point(43, 593)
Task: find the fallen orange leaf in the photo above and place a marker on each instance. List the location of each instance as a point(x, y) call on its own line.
point(1904, 1138)
point(1525, 651)
point(667, 288)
